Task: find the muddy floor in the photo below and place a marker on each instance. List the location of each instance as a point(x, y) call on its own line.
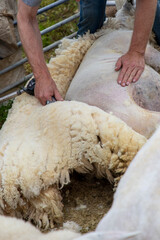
point(86, 199)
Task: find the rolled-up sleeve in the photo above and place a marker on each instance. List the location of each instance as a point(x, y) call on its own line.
point(32, 3)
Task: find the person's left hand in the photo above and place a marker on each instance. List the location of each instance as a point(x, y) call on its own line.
point(132, 65)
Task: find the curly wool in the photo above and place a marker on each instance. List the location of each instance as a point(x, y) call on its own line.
point(41, 146)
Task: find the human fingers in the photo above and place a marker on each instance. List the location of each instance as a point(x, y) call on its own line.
point(43, 99)
point(42, 95)
point(57, 95)
point(126, 76)
point(118, 64)
point(129, 76)
point(121, 76)
point(137, 76)
point(132, 76)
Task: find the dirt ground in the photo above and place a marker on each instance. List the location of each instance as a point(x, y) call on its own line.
point(86, 199)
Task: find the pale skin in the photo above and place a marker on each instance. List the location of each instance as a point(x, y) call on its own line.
point(131, 65)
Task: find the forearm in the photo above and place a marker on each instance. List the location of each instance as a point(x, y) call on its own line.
point(31, 41)
point(144, 17)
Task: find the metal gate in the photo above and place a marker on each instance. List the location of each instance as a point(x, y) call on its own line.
point(45, 49)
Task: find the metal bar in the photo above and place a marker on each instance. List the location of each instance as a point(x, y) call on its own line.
point(13, 85)
point(48, 7)
point(49, 29)
point(42, 33)
point(11, 95)
point(53, 27)
point(55, 44)
point(110, 3)
point(22, 61)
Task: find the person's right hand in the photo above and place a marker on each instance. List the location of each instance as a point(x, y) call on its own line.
point(45, 89)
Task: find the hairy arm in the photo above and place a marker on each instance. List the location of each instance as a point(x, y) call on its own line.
point(31, 40)
point(132, 63)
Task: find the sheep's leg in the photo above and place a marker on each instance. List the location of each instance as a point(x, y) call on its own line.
point(152, 57)
point(47, 209)
point(43, 211)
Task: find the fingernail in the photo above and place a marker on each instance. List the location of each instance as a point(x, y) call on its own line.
point(119, 82)
point(127, 83)
point(134, 80)
point(123, 84)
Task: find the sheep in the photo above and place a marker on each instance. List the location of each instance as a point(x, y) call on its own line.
point(95, 82)
point(135, 212)
point(16, 229)
point(119, 4)
point(41, 146)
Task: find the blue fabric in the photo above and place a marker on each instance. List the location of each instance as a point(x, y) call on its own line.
point(92, 15)
point(32, 3)
point(156, 25)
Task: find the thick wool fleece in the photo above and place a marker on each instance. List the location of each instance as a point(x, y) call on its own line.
point(68, 57)
point(40, 146)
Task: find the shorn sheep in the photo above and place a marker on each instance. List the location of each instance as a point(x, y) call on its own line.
point(135, 212)
point(95, 82)
point(16, 229)
point(41, 145)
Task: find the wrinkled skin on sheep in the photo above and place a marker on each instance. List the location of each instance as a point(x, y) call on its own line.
point(95, 82)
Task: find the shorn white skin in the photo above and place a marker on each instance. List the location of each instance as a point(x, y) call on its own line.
point(95, 82)
point(135, 213)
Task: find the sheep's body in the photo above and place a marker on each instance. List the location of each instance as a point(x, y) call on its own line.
point(136, 210)
point(16, 229)
point(40, 146)
point(95, 82)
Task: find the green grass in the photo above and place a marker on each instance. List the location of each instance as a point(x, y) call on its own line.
point(45, 20)
point(55, 15)
point(4, 112)
point(52, 17)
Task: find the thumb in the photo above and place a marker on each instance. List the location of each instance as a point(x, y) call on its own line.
point(118, 64)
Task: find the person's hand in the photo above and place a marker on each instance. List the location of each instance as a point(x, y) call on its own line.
point(45, 89)
point(132, 65)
